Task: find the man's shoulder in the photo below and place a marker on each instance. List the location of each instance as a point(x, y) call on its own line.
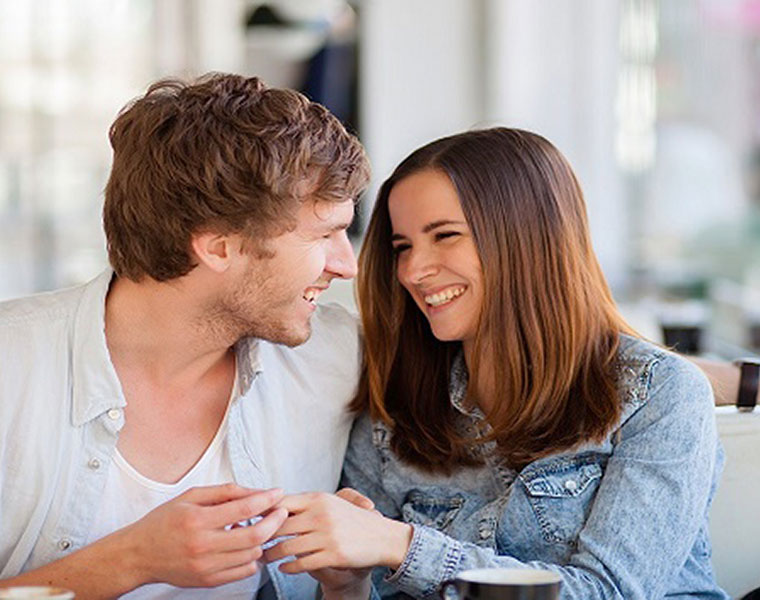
point(43, 309)
point(335, 319)
point(332, 350)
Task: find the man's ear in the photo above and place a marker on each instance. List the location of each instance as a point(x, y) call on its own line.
point(214, 250)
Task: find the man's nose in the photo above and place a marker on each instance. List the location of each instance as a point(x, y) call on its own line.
point(342, 259)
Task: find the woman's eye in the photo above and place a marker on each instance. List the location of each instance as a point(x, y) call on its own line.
point(442, 235)
point(399, 248)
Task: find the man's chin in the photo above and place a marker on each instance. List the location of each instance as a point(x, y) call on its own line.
point(293, 341)
point(289, 336)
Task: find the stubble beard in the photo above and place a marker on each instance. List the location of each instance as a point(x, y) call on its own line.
point(256, 310)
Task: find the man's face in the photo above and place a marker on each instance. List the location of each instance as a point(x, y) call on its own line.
point(274, 297)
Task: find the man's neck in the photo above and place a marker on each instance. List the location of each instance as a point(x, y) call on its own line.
point(152, 328)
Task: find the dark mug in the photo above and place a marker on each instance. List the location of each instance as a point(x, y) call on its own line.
point(502, 584)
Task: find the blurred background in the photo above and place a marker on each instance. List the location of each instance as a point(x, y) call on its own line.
point(656, 103)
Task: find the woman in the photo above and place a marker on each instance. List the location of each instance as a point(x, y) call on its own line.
point(511, 417)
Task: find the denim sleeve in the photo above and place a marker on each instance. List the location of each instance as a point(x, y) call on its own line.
point(649, 508)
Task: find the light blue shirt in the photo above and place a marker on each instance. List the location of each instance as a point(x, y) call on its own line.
point(61, 410)
point(622, 519)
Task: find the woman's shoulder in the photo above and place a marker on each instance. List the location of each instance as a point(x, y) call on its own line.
point(651, 376)
point(369, 433)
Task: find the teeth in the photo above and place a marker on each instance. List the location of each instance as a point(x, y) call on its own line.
point(444, 296)
point(311, 295)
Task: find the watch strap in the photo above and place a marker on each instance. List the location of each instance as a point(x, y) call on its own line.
point(749, 380)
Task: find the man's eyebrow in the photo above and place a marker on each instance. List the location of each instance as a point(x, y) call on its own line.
point(430, 227)
point(341, 226)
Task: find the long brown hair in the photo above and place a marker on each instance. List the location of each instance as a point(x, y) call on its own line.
point(548, 323)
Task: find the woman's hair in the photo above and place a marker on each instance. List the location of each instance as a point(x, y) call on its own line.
point(225, 154)
point(548, 324)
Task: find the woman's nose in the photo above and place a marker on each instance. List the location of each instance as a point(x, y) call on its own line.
point(418, 266)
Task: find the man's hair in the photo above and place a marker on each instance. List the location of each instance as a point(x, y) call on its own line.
point(224, 154)
point(548, 325)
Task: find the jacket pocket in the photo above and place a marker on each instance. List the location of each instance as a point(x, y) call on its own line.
point(431, 509)
point(561, 495)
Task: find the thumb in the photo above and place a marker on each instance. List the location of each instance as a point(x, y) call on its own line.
point(355, 498)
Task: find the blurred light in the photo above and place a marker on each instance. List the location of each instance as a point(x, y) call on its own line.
point(636, 106)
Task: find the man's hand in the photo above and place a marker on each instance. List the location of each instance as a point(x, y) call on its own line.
point(191, 541)
point(185, 542)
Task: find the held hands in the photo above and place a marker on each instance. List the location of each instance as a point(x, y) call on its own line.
point(338, 531)
point(187, 542)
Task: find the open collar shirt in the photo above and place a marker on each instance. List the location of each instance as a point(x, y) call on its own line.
point(62, 407)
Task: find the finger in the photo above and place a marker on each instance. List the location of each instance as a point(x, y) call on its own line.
point(250, 536)
point(355, 498)
point(248, 507)
point(297, 546)
point(296, 503)
point(230, 575)
point(312, 562)
point(215, 494)
point(297, 524)
point(223, 561)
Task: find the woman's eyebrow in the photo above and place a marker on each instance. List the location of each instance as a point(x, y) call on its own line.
point(430, 227)
point(440, 223)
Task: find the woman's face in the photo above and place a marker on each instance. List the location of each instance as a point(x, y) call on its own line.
point(438, 263)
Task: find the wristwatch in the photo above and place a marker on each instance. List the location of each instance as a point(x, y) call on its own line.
point(748, 383)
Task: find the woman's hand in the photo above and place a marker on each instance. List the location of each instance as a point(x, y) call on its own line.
point(347, 584)
point(331, 531)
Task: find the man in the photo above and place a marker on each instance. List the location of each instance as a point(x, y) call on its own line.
point(128, 405)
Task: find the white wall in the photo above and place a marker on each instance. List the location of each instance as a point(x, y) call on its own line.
point(552, 68)
point(434, 67)
point(420, 75)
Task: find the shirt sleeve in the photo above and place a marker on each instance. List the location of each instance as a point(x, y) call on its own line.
point(651, 503)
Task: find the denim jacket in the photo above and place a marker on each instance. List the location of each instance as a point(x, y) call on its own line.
point(625, 518)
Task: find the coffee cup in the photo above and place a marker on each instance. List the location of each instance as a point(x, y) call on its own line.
point(502, 584)
point(35, 593)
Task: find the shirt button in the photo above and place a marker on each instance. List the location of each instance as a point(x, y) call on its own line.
point(94, 463)
point(571, 485)
point(114, 414)
point(64, 545)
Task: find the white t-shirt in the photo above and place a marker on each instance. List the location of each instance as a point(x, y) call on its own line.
point(62, 407)
point(128, 496)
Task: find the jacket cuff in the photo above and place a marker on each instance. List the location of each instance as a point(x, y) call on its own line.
point(432, 558)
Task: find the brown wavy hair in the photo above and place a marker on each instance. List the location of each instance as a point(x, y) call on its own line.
point(223, 153)
point(548, 323)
